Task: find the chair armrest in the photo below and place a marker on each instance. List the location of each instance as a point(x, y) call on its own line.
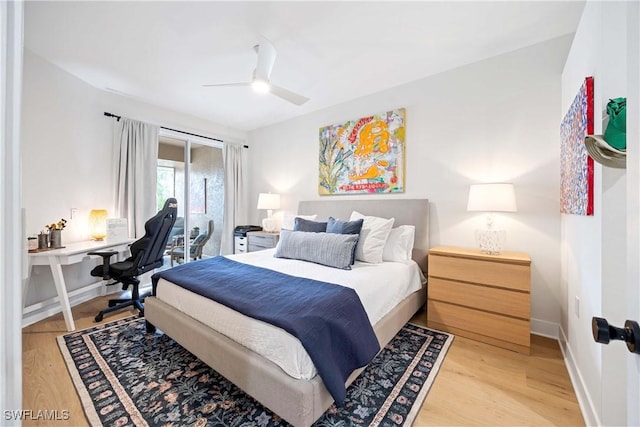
point(104, 254)
point(106, 259)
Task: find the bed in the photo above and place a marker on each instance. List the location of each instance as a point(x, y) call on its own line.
point(298, 395)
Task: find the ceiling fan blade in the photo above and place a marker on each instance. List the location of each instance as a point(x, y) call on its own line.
point(287, 95)
point(229, 84)
point(266, 58)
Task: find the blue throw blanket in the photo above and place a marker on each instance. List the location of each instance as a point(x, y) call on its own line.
point(328, 319)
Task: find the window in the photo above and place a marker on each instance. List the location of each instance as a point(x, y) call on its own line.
point(165, 187)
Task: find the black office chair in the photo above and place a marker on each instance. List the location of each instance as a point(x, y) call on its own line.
point(146, 255)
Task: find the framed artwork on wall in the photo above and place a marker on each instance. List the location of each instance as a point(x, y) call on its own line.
point(576, 166)
point(364, 155)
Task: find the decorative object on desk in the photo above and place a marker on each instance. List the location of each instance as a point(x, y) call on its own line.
point(43, 240)
point(55, 239)
point(490, 198)
point(576, 166)
point(364, 155)
point(32, 243)
point(610, 149)
point(269, 202)
point(60, 225)
point(117, 229)
point(98, 224)
point(55, 233)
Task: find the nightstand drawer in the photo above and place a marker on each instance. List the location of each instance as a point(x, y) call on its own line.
point(484, 298)
point(510, 276)
point(507, 329)
point(260, 240)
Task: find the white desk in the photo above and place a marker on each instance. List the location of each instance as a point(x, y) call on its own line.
point(72, 253)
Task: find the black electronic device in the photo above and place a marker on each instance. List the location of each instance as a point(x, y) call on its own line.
point(242, 230)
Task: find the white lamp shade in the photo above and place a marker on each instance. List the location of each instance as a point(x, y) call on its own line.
point(492, 198)
point(268, 201)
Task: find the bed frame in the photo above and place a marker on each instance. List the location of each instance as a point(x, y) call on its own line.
point(300, 402)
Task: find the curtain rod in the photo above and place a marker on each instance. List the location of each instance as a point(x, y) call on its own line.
point(174, 130)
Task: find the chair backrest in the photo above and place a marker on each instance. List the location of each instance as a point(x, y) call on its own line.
point(198, 243)
point(147, 251)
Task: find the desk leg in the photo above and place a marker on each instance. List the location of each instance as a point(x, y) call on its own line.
point(58, 279)
point(26, 281)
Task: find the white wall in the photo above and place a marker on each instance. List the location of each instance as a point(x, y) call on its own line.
point(594, 248)
point(495, 120)
point(66, 143)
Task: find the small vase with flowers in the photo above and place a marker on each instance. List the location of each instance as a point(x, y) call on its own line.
point(55, 233)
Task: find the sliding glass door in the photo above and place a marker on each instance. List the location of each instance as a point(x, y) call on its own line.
point(191, 170)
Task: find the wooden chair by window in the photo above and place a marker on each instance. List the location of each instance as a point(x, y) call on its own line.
point(176, 252)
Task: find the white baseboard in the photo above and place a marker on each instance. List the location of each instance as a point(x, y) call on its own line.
point(584, 400)
point(40, 311)
point(554, 331)
point(545, 328)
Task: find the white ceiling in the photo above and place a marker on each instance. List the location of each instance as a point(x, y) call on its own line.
point(163, 52)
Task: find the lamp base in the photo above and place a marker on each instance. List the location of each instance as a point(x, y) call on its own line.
point(491, 241)
point(269, 225)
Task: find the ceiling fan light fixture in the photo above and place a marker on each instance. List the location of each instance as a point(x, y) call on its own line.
point(261, 78)
point(260, 86)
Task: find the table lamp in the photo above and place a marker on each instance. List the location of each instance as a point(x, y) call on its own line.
point(269, 202)
point(491, 198)
point(98, 224)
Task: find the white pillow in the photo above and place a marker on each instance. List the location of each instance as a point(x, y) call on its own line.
point(373, 237)
point(288, 220)
point(399, 246)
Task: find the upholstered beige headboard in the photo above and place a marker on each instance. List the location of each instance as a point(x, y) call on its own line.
point(405, 211)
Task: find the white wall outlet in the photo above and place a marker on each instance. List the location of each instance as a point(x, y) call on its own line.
point(577, 306)
point(74, 213)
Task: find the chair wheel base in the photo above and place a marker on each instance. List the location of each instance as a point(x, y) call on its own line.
point(98, 318)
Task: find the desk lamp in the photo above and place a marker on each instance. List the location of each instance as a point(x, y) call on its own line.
point(98, 224)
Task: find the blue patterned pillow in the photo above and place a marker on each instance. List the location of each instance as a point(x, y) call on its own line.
point(332, 250)
point(301, 224)
point(344, 227)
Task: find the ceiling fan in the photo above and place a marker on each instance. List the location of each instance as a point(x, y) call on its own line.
point(261, 82)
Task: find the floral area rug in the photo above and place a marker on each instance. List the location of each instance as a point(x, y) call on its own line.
point(125, 376)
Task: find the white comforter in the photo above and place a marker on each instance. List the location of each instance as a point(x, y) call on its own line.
point(379, 286)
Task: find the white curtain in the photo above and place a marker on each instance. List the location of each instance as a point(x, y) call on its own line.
point(136, 159)
point(234, 194)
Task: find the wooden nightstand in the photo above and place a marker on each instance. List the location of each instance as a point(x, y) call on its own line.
point(479, 296)
point(260, 240)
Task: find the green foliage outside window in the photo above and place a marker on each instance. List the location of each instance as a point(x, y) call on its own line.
point(165, 185)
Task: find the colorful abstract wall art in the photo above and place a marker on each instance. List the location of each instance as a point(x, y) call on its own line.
point(576, 166)
point(363, 156)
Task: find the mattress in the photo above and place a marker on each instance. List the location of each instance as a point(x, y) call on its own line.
point(380, 287)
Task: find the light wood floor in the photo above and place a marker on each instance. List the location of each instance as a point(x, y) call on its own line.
point(477, 384)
